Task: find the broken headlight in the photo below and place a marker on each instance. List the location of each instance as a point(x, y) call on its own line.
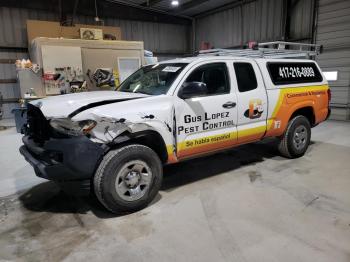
point(74, 128)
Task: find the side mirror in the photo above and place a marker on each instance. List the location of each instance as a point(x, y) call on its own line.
point(193, 89)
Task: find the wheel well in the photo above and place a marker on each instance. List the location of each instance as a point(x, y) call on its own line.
point(308, 112)
point(151, 139)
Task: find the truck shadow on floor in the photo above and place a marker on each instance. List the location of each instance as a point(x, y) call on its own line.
point(47, 197)
point(209, 166)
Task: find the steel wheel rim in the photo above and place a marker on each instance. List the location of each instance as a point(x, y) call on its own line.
point(300, 137)
point(133, 180)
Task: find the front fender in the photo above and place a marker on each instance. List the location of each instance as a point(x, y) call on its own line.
point(109, 129)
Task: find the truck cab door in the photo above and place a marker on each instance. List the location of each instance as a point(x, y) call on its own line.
point(252, 101)
point(207, 122)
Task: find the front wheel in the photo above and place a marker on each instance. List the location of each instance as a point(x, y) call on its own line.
point(128, 178)
point(296, 139)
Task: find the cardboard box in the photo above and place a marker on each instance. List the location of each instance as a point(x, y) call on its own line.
point(91, 34)
point(36, 28)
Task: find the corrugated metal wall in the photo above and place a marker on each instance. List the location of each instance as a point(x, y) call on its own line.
point(157, 37)
point(301, 21)
point(161, 38)
point(333, 32)
point(260, 20)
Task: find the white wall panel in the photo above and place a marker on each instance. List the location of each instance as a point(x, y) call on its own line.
point(333, 32)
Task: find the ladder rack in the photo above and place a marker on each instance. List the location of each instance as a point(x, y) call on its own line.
point(277, 49)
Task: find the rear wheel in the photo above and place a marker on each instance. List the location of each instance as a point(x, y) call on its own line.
point(128, 178)
point(296, 139)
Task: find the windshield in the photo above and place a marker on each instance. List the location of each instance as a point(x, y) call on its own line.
point(152, 79)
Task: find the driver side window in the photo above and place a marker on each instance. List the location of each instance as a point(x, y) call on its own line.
point(214, 75)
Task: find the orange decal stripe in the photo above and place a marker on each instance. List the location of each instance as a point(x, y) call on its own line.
point(218, 142)
point(282, 110)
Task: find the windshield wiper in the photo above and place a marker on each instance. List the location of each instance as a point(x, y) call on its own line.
point(142, 92)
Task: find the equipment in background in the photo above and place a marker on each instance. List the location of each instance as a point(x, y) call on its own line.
point(61, 65)
point(61, 80)
point(127, 66)
point(27, 64)
point(91, 34)
point(149, 58)
point(109, 37)
point(103, 77)
point(76, 87)
point(30, 94)
point(83, 58)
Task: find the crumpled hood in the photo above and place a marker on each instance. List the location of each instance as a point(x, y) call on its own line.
point(65, 105)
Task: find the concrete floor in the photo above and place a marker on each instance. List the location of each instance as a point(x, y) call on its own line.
point(16, 174)
point(247, 204)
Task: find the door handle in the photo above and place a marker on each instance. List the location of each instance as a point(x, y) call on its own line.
point(229, 105)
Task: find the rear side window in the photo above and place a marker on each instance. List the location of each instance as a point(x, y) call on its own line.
point(245, 75)
point(283, 73)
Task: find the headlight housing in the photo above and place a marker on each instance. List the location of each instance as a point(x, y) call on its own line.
point(73, 128)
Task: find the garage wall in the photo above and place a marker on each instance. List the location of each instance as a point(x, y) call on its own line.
point(157, 37)
point(259, 20)
point(264, 20)
point(166, 39)
point(301, 21)
point(8, 72)
point(333, 32)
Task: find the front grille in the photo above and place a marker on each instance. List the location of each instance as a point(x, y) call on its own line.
point(38, 126)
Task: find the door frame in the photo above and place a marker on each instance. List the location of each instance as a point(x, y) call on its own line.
point(232, 92)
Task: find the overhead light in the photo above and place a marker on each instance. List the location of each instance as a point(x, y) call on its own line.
point(174, 2)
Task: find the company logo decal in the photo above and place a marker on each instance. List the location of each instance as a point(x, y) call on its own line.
point(306, 93)
point(205, 122)
point(277, 124)
point(255, 109)
point(208, 140)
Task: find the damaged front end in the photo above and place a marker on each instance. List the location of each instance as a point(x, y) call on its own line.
point(109, 130)
point(60, 150)
point(66, 139)
point(69, 151)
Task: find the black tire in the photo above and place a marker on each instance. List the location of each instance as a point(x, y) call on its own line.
point(288, 146)
point(109, 171)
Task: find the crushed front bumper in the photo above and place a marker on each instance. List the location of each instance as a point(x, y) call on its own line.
point(66, 161)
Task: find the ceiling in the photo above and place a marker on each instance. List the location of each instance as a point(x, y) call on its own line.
point(186, 7)
point(142, 10)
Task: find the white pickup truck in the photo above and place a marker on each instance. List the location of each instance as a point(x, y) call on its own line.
point(116, 142)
